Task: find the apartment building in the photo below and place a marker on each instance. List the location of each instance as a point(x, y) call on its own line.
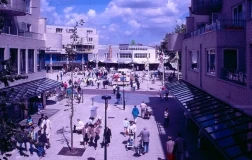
point(58, 37)
point(22, 41)
point(216, 89)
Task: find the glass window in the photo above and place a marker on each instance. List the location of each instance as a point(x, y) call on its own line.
point(194, 60)
point(28, 6)
point(31, 60)
point(230, 59)
point(59, 30)
point(125, 55)
point(211, 61)
point(140, 55)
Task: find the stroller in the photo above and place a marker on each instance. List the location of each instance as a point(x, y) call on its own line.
point(130, 142)
point(147, 114)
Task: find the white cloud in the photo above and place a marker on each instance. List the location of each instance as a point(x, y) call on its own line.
point(134, 23)
point(91, 13)
point(68, 9)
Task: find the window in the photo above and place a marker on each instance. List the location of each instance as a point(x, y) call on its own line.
point(59, 30)
point(89, 31)
point(239, 12)
point(125, 55)
point(230, 59)
point(28, 6)
point(140, 55)
point(28, 27)
point(31, 60)
point(70, 31)
point(194, 59)
point(211, 61)
point(90, 39)
point(1, 57)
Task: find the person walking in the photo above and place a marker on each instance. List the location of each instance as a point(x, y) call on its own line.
point(169, 147)
point(143, 107)
point(132, 129)
point(166, 118)
point(48, 128)
point(114, 89)
point(32, 139)
point(57, 77)
point(97, 136)
point(135, 113)
point(61, 76)
point(98, 83)
point(126, 126)
point(41, 119)
point(107, 135)
point(41, 142)
point(145, 138)
point(179, 148)
point(85, 135)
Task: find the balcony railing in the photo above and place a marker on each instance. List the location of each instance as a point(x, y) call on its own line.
point(218, 25)
point(14, 8)
point(235, 76)
point(21, 33)
point(205, 7)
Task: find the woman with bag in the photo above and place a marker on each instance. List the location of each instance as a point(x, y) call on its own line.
point(170, 147)
point(126, 126)
point(85, 135)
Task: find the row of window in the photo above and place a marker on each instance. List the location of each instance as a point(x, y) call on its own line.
point(136, 55)
point(143, 49)
point(59, 30)
point(229, 56)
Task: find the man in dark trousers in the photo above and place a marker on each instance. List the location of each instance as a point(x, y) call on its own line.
point(180, 148)
point(145, 138)
point(107, 135)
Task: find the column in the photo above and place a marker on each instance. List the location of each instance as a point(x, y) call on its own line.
point(18, 61)
point(35, 60)
point(25, 111)
point(82, 62)
point(67, 62)
point(51, 71)
point(26, 61)
point(43, 100)
point(7, 52)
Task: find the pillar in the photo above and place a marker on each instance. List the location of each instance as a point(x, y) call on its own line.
point(6, 53)
point(67, 62)
point(82, 62)
point(26, 61)
point(18, 61)
point(25, 111)
point(43, 100)
point(35, 60)
point(51, 71)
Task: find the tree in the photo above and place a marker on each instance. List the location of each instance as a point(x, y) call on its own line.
point(2, 15)
point(133, 43)
point(8, 127)
point(180, 28)
point(71, 53)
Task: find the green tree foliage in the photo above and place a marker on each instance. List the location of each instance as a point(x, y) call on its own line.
point(133, 43)
point(2, 15)
point(180, 28)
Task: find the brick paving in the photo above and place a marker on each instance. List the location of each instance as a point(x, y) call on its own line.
point(116, 150)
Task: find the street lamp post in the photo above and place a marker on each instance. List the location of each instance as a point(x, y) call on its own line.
point(123, 91)
point(163, 68)
point(106, 98)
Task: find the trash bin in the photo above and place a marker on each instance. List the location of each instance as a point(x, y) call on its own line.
point(93, 112)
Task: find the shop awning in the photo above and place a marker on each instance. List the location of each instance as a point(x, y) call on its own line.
point(229, 128)
point(29, 89)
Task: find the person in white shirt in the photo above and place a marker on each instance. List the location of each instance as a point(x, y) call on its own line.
point(132, 128)
point(143, 107)
point(169, 147)
point(126, 126)
point(46, 122)
point(79, 126)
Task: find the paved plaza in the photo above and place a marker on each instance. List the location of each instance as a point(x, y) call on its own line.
point(116, 115)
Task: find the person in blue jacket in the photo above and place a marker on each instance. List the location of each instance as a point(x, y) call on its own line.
point(135, 113)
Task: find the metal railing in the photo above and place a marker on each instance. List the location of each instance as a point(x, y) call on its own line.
point(21, 33)
point(17, 6)
point(235, 76)
point(219, 25)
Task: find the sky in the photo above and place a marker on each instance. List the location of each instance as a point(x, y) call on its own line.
point(119, 21)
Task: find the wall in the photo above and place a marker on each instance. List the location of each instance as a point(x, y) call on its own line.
point(53, 41)
point(175, 41)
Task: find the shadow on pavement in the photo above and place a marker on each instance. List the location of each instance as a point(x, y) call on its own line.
point(176, 125)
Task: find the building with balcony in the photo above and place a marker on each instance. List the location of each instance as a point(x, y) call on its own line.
point(216, 86)
point(58, 37)
point(22, 41)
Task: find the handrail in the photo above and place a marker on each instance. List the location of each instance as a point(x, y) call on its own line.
point(219, 25)
point(236, 76)
point(21, 33)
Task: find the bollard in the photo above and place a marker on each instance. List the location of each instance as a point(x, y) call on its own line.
point(92, 101)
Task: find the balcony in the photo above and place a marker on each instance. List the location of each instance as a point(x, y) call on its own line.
point(21, 33)
point(235, 76)
point(83, 50)
point(14, 8)
point(232, 25)
point(206, 7)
